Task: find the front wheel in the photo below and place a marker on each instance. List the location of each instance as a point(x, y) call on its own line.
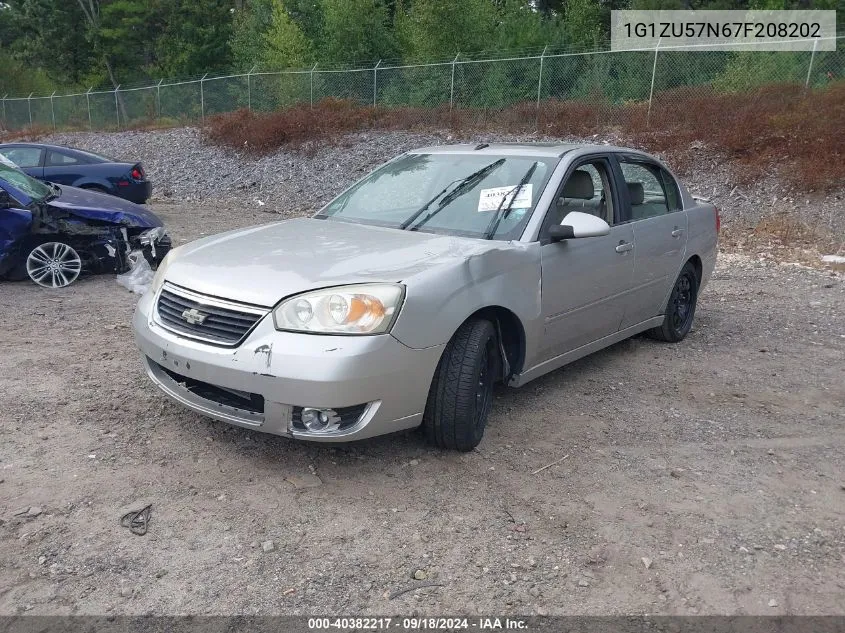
point(53, 265)
point(461, 392)
point(680, 310)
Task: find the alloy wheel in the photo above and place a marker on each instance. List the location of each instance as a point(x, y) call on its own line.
point(53, 265)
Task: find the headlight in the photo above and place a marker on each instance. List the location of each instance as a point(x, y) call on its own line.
point(358, 309)
point(161, 271)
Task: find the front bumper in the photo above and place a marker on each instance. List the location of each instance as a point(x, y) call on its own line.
point(283, 371)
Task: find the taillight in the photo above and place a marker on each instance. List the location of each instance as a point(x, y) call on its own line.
point(718, 220)
point(137, 173)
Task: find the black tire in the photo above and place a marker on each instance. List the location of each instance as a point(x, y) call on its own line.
point(680, 310)
point(461, 392)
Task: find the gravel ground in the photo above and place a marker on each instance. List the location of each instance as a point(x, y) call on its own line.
point(184, 168)
point(703, 477)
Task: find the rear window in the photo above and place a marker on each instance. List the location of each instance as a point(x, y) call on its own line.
point(86, 157)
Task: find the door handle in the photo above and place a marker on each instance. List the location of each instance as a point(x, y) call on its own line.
point(677, 232)
point(624, 247)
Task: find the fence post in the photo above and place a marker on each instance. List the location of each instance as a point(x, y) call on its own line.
point(158, 99)
point(651, 92)
point(312, 84)
point(810, 69)
point(117, 106)
point(452, 83)
point(375, 82)
point(5, 123)
point(202, 97)
point(53, 109)
point(88, 104)
point(249, 88)
point(29, 105)
point(539, 88)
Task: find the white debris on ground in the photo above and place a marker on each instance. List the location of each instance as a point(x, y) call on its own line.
point(139, 276)
point(833, 259)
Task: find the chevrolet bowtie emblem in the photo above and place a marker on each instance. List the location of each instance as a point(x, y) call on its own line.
point(194, 316)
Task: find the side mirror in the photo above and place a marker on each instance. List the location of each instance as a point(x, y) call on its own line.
point(577, 224)
point(6, 201)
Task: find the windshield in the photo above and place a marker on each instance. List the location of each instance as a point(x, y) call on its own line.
point(28, 185)
point(472, 195)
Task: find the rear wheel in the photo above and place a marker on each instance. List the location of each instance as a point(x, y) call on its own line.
point(53, 265)
point(461, 392)
point(680, 310)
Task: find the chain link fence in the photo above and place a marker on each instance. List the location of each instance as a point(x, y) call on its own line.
point(529, 87)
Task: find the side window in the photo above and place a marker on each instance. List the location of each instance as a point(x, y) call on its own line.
point(587, 189)
point(23, 156)
point(673, 194)
point(55, 159)
point(645, 190)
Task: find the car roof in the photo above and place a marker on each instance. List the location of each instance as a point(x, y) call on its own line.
point(70, 151)
point(551, 150)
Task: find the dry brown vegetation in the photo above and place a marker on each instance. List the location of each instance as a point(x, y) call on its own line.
point(777, 129)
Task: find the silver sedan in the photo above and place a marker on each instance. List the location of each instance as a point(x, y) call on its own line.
point(406, 298)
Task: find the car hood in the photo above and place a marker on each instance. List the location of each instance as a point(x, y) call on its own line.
point(262, 265)
point(92, 205)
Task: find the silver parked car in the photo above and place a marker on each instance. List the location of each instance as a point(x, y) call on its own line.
point(406, 298)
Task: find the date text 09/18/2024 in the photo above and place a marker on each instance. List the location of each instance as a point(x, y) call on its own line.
point(417, 624)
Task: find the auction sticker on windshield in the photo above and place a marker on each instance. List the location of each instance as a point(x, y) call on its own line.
point(492, 199)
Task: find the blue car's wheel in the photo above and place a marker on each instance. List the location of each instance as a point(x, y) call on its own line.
point(53, 265)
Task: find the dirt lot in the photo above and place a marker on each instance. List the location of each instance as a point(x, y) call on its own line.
point(704, 477)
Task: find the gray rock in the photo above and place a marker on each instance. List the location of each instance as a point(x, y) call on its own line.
point(34, 511)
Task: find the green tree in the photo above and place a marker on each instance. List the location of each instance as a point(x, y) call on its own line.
point(285, 45)
point(441, 28)
point(195, 38)
point(125, 36)
point(356, 30)
point(53, 36)
point(520, 25)
point(249, 25)
point(583, 26)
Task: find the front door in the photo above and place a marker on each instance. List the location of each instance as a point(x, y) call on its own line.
point(585, 281)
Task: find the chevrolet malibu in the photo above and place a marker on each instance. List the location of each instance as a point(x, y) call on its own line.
point(405, 300)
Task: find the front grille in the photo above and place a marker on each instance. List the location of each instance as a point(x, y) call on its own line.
point(229, 397)
point(349, 416)
point(224, 324)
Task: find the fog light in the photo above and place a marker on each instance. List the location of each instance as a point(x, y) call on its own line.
point(320, 420)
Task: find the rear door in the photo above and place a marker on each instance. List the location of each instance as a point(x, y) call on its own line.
point(585, 281)
point(653, 204)
point(29, 158)
point(61, 168)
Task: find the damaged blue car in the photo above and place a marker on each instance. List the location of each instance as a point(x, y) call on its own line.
point(53, 233)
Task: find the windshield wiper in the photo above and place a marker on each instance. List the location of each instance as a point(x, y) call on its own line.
point(501, 214)
point(463, 186)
